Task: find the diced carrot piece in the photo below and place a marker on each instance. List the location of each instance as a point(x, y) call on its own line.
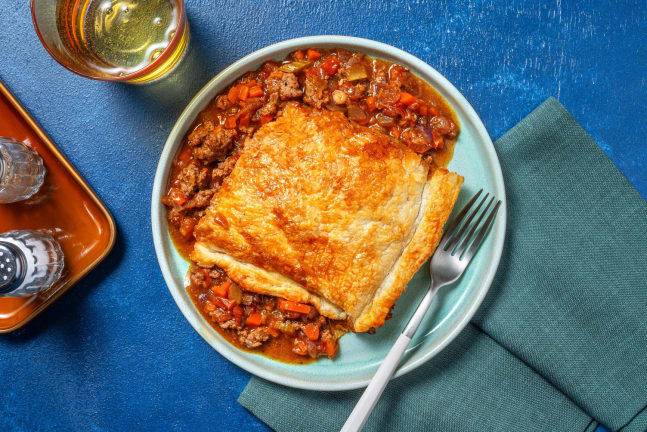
point(221, 290)
point(298, 55)
point(370, 103)
point(178, 198)
point(313, 54)
point(255, 91)
point(312, 331)
point(230, 123)
point(407, 98)
point(331, 348)
point(432, 111)
point(266, 118)
point(233, 94)
point(243, 91)
point(423, 110)
point(253, 320)
point(291, 306)
point(274, 332)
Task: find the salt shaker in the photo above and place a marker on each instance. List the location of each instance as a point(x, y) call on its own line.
point(30, 262)
point(21, 171)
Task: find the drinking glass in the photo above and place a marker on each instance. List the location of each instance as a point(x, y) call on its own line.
point(134, 41)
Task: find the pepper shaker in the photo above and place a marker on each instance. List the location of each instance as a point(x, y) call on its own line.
point(21, 171)
point(30, 262)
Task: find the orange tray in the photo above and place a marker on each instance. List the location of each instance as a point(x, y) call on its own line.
point(65, 206)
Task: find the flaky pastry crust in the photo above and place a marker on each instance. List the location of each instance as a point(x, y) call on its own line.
point(323, 211)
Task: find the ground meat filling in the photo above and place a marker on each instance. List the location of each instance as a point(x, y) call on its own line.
point(270, 108)
point(289, 87)
point(375, 93)
point(256, 319)
point(212, 142)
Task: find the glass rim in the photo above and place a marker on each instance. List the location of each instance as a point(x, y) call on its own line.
point(179, 33)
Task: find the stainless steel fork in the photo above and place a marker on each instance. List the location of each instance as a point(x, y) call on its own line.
point(457, 247)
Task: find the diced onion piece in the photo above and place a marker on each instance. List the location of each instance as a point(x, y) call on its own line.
point(384, 120)
point(235, 293)
point(356, 72)
point(295, 66)
point(356, 113)
point(285, 327)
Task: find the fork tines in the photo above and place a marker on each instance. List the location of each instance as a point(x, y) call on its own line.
point(451, 241)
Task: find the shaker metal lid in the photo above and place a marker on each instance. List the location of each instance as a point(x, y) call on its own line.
point(10, 268)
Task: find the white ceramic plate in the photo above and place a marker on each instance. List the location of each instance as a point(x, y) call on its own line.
point(360, 354)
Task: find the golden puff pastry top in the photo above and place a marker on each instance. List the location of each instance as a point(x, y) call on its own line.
point(322, 210)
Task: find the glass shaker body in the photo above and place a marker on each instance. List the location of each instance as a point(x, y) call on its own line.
point(21, 171)
point(30, 262)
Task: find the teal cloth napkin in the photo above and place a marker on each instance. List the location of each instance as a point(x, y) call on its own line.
point(560, 342)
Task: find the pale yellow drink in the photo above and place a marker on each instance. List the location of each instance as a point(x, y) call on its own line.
point(130, 40)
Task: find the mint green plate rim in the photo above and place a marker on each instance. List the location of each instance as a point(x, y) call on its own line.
point(360, 355)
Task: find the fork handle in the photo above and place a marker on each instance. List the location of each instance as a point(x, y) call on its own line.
point(371, 395)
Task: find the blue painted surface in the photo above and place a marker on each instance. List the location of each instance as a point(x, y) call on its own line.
point(115, 353)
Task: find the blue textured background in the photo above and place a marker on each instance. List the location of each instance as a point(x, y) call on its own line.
point(115, 353)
